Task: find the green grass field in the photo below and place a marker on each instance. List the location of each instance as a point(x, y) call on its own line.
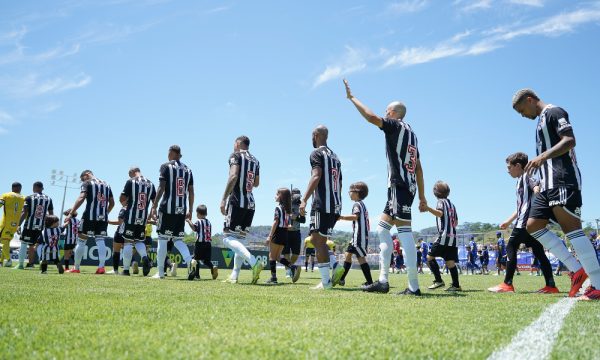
point(109, 317)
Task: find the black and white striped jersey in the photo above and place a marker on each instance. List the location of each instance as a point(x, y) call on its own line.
point(98, 193)
point(139, 192)
point(177, 177)
point(361, 225)
point(561, 171)
point(50, 236)
point(327, 197)
point(294, 216)
point(402, 153)
point(72, 231)
point(248, 169)
point(446, 224)
point(525, 186)
point(36, 208)
point(282, 217)
point(203, 230)
point(122, 216)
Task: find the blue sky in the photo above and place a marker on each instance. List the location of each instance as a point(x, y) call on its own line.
point(84, 85)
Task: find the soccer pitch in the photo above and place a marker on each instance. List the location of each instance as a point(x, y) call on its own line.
point(110, 317)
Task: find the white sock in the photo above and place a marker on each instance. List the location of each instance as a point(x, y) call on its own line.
point(22, 253)
point(38, 250)
point(79, 252)
point(385, 249)
point(558, 248)
point(238, 261)
point(183, 250)
point(240, 250)
point(127, 255)
point(410, 256)
point(332, 261)
point(586, 255)
point(101, 252)
point(140, 247)
point(324, 270)
point(161, 255)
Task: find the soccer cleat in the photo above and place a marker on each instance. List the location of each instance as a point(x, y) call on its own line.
point(125, 273)
point(145, 266)
point(157, 276)
point(548, 290)
point(453, 288)
point(320, 286)
point(44, 273)
point(256, 269)
point(408, 292)
point(214, 272)
point(19, 267)
point(271, 281)
point(100, 271)
point(192, 269)
point(296, 273)
point(8, 263)
point(379, 287)
point(436, 285)
point(174, 270)
point(502, 288)
point(337, 275)
point(364, 285)
point(230, 280)
point(342, 283)
point(112, 272)
point(30, 265)
point(61, 269)
point(74, 271)
point(136, 268)
point(577, 280)
point(288, 274)
point(590, 294)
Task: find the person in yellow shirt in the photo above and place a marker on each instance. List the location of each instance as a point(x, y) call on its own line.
point(309, 252)
point(332, 258)
point(12, 204)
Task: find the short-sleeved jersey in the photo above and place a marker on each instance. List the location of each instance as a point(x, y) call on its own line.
point(561, 171)
point(139, 192)
point(12, 207)
point(327, 196)
point(72, 231)
point(248, 169)
point(308, 243)
point(295, 224)
point(50, 236)
point(473, 246)
point(178, 178)
point(361, 225)
point(424, 248)
point(122, 216)
point(446, 224)
point(525, 186)
point(36, 208)
point(330, 245)
point(501, 247)
point(282, 217)
point(203, 230)
point(402, 152)
point(97, 195)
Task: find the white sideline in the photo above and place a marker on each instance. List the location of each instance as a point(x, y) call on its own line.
point(537, 340)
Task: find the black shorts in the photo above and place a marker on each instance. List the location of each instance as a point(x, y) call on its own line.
point(294, 243)
point(69, 246)
point(309, 252)
point(148, 241)
point(93, 228)
point(118, 238)
point(568, 199)
point(446, 252)
point(322, 222)
point(356, 250)
point(238, 220)
point(170, 225)
point(501, 260)
point(134, 232)
point(202, 251)
point(280, 237)
point(30, 236)
point(399, 203)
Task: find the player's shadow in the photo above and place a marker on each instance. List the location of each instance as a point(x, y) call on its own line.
point(443, 295)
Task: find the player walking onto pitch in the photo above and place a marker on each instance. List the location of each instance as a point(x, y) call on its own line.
point(12, 204)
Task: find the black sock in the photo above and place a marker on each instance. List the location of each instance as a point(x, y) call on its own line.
point(366, 269)
point(44, 267)
point(306, 265)
point(207, 263)
point(116, 257)
point(273, 265)
point(435, 270)
point(312, 265)
point(66, 262)
point(347, 266)
point(454, 274)
point(285, 262)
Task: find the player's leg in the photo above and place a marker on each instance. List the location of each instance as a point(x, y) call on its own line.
point(347, 264)
point(451, 260)
point(274, 255)
point(127, 256)
point(321, 226)
point(116, 258)
point(434, 267)
point(515, 240)
point(544, 265)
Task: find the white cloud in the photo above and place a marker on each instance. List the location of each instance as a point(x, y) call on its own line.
point(407, 6)
point(31, 85)
point(421, 55)
point(475, 5)
point(217, 9)
point(5, 118)
point(535, 3)
point(352, 61)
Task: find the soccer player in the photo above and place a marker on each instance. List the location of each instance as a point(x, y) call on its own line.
point(99, 202)
point(37, 206)
point(49, 243)
point(12, 204)
point(137, 194)
point(309, 253)
point(333, 263)
point(291, 251)
point(405, 177)
point(175, 195)
point(560, 190)
point(445, 245)
point(395, 252)
point(238, 206)
point(485, 260)
point(419, 260)
point(473, 254)
point(500, 253)
point(118, 239)
point(71, 237)
point(325, 186)
point(360, 237)
point(424, 253)
point(203, 246)
point(278, 236)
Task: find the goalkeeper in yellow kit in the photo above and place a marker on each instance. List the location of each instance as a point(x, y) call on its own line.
point(12, 207)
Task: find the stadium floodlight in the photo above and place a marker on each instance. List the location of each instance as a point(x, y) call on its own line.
point(59, 179)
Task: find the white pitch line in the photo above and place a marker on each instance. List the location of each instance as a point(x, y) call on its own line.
point(537, 340)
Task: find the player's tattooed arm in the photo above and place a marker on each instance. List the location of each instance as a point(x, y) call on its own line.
point(191, 196)
point(566, 143)
point(233, 178)
point(421, 187)
point(315, 176)
point(362, 108)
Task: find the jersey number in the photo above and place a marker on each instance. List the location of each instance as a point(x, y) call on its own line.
point(412, 161)
point(453, 219)
point(142, 201)
point(249, 181)
point(335, 175)
point(180, 186)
